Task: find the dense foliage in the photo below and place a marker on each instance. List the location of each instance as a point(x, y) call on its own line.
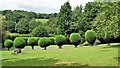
point(107, 22)
point(60, 40)
point(102, 17)
point(19, 42)
point(75, 39)
point(32, 41)
point(9, 26)
point(22, 26)
point(64, 19)
point(39, 31)
point(44, 42)
point(8, 43)
point(17, 15)
point(52, 40)
point(32, 24)
point(90, 36)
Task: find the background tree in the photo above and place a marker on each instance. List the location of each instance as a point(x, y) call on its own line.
point(33, 24)
point(22, 26)
point(10, 26)
point(106, 22)
point(39, 31)
point(90, 11)
point(64, 18)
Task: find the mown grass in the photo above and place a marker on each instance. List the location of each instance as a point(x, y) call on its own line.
point(42, 20)
point(68, 56)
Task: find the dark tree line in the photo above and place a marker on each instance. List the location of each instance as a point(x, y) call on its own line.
point(17, 15)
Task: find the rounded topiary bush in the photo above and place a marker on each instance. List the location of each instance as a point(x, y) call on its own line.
point(8, 43)
point(60, 40)
point(75, 39)
point(90, 36)
point(44, 42)
point(32, 41)
point(19, 43)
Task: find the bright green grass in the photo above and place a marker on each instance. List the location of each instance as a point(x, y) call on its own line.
point(42, 20)
point(92, 56)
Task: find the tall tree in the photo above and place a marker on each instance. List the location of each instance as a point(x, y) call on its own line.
point(91, 10)
point(106, 22)
point(77, 13)
point(64, 18)
point(78, 19)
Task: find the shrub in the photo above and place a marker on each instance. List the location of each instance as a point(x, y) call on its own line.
point(25, 35)
point(14, 35)
point(44, 42)
point(8, 43)
point(90, 36)
point(32, 41)
point(39, 31)
point(19, 43)
point(6, 35)
point(75, 39)
point(52, 41)
point(60, 40)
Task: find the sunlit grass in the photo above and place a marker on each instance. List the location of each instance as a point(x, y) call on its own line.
point(42, 20)
point(68, 55)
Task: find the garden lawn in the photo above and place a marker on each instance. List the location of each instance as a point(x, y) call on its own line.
point(67, 56)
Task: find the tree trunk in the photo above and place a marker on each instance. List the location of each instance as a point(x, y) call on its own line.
point(75, 46)
point(44, 48)
point(91, 44)
point(60, 47)
point(8, 49)
point(32, 47)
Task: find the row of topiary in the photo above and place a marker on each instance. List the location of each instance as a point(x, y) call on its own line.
point(59, 40)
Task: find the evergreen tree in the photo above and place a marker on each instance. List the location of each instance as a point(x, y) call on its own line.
point(64, 18)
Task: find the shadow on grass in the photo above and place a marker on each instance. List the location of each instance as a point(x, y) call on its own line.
point(14, 62)
point(29, 62)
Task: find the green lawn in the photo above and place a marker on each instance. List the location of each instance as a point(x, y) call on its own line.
point(42, 20)
point(89, 55)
